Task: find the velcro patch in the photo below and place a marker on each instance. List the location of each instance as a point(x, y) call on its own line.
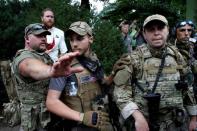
point(87, 79)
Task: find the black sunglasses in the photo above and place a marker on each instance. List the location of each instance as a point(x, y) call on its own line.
point(35, 28)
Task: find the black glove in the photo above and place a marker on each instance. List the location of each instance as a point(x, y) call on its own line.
point(95, 119)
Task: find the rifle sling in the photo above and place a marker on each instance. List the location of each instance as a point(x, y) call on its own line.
point(158, 74)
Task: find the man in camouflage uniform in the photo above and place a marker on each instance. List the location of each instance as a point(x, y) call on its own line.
point(83, 102)
point(151, 93)
point(184, 32)
point(32, 68)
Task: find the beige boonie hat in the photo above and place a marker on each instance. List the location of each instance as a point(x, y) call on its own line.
point(81, 28)
point(36, 29)
point(155, 17)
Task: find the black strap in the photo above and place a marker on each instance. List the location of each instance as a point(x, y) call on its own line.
point(160, 70)
point(94, 67)
point(157, 77)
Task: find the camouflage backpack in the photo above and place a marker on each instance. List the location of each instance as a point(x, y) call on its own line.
point(11, 110)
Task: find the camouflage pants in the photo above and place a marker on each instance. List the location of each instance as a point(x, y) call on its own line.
point(34, 117)
point(164, 126)
point(166, 123)
point(38, 129)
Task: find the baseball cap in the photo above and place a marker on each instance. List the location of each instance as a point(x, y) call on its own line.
point(36, 29)
point(155, 17)
point(81, 28)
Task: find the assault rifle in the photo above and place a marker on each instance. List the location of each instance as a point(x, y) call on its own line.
point(153, 99)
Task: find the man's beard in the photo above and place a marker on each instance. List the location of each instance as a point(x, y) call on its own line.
point(40, 50)
point(184, 40)
point(49, 24)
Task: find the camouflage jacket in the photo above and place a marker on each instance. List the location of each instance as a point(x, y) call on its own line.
point(144, 67)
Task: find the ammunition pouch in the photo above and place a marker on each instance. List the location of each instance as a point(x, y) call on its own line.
point(181, 85)
point(12, 113)
point(179, 116)
point(153, 102)
point(44, 115)
point(99, 103)
point(34, 115)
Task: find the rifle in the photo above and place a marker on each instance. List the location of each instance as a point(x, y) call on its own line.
point(153, 99)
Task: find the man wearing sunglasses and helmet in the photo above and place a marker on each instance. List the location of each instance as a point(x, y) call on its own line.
point(184, 32)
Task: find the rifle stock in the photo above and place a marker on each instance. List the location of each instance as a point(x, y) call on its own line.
point(153, 102)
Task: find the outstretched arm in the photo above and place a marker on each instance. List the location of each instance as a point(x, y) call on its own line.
point(36, 69)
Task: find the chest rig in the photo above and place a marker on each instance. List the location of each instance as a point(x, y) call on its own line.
point(170, 96)
point(88, 89)
point(30, 91)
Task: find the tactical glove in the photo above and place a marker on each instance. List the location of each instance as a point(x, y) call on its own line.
point(120, 64)
point(95, 119)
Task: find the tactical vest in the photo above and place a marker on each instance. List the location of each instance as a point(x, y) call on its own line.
point(170, 96)
point(29, 90)
point(31, 93)
point(87, 89)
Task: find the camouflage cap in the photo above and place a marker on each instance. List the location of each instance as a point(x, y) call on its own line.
point(81, 28)
point(36, 29)
point(155, 17)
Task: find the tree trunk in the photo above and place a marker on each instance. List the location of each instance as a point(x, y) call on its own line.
point(85, 4)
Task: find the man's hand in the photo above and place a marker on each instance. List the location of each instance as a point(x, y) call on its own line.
point(62, 67)
point(120, 64)
point(192, 124)
point(140, 122)
point(96, 119)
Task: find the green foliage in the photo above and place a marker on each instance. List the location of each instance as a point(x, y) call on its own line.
point(10, 27)
point(140, 9)
point(107, 44)
point(60, 8)
point(16, 15)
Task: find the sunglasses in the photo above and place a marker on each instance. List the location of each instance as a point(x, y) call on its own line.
point(35, 28)
point(183, 23)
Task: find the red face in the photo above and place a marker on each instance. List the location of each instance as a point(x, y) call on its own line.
point(48, 19)
point(36, 42)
